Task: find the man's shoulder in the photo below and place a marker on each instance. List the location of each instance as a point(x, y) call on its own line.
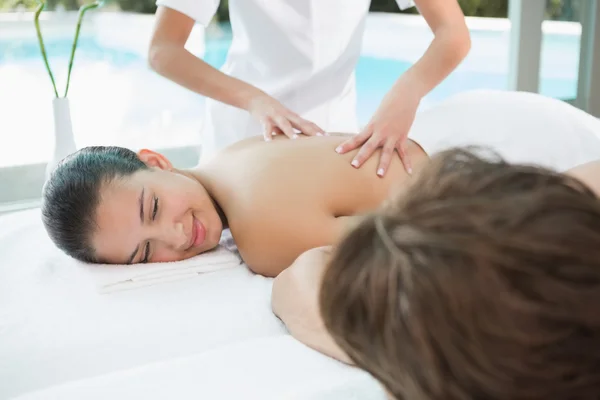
point(589, 174)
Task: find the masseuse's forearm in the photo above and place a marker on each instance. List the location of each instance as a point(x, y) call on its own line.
point(449, 47)
point(179, 65)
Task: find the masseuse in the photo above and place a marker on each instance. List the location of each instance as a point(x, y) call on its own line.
point(290, 70)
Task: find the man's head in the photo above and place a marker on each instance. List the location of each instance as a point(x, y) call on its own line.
point(481, 282)
point(111, 205)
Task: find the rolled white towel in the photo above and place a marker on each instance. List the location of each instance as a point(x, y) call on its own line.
point(115, 277)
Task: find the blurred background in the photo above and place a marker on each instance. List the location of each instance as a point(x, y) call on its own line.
point(116, 99)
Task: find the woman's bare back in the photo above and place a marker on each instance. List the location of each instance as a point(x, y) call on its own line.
point(284, 197)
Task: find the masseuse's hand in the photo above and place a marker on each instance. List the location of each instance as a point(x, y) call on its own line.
point(276, 119)
point(388, 129)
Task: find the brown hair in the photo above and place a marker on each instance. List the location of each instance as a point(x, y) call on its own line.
point(480, 282)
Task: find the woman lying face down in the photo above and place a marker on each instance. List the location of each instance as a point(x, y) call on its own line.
point(482, 281)
point(111, 205)
point(281, 198)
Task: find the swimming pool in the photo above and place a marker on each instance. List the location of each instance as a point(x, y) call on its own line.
point(117, 99)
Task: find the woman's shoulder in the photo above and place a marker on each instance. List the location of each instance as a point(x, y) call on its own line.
point(242, 144)
point(260, 140)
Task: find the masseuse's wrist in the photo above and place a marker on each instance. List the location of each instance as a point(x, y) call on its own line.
point(411, 86)
point(247, 96)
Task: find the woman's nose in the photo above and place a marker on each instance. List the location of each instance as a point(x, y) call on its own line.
point(172, 235)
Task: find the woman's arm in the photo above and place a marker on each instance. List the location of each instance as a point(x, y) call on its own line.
point(295, 301)
point(168, 57)
point(391, 123)
point(450, 46)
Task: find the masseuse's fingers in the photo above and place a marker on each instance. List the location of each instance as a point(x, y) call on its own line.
point(268, 130)
point(286, 127)
point(401, 148)
point(366, 151)
point(386, 157)
point(354, 142)
point(306, 127)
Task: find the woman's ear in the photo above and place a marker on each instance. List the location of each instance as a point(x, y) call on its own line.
point(154, 159)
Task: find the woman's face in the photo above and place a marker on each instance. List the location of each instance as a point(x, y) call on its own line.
point(154, 215)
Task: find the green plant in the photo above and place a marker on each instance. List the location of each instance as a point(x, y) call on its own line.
point(82, 12)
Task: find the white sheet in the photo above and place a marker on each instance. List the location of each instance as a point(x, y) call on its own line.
point(55, 327)
point(522, 127)
point(268, 368)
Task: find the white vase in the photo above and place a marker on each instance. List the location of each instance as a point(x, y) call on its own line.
point(64, 142)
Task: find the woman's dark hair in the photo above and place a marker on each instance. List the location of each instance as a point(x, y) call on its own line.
point(71, 195)
point(482, 281)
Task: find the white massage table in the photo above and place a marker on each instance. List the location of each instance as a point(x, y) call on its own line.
point(208, 337)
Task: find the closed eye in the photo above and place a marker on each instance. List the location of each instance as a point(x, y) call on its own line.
point(147, 247)
point(146, 253)
point(155, 209)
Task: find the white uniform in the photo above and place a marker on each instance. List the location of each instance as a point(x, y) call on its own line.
point(301, 52)
point(521, 127)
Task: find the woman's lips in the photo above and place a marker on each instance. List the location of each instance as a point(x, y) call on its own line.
point(198, 233)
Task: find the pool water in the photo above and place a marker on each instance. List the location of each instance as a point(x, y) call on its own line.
point(374, 75)
point(371, 86)
point(60, 49)
point(117, 99)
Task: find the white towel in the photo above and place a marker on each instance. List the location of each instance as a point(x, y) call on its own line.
point(111, 278)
